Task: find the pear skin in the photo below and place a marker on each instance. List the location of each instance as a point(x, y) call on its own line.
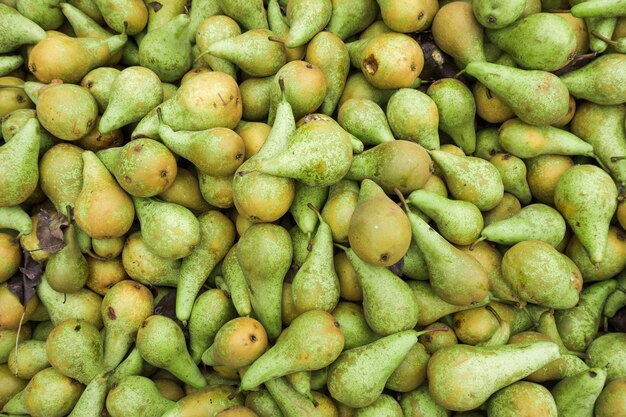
point(20, 168)
point(463, 40)
point(522, 399)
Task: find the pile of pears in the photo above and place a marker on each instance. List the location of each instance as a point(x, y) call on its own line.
point(313, 208)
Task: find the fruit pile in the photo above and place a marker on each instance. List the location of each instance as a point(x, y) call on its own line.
point(294, 208)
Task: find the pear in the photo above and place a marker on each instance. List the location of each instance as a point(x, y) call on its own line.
point(160, 15)
point(101, 192)
point(66, 270)
point(91, 401)
point(611, 264)
point(411, 373)
point(358, 376)
point(10, 63)
point(579, 325)
point(264, 253)
point(16, 119)
point(501, 365)
point(516, 87)
point(414, 116)
point(326, 165)
point(20, 170)
point(28, 358)
point(50, 392)
point(458, 221)
point(366, 120)
point(166, 50)
point(605, 134)
point(217, 191)
point(217, 235)
point(357, 86)
point(522, 399)
point(11, 385)
point(136, 394)
point(211, 310)
point(212, 30)
point(353, 324)
point(513, 173)
point(597, 80)
point(325, 342)
point(201, 10)
point(339, 207)
point(475, 326)
point(396, 164)
point(144, 266)
point(384, 405)
point(117, 12)
point(290, 403)
point(237, 411)
point(548, 283)
point(609, 349)
point(185, 191)
point(61, 175)
point(408, 16)
point(494, 14)
point(577, 196)
point(599, 8)
point(306, 217)
point(249, 14)
point(98, 82)
point(379, 231)
point(420, 403)
point(458, 171)
point(263, 403)
point(351, 17)
point(432, 342)
point(17, 30)
point(306, 19)
point(84, 362)
point(379, 286)
point(349, 285)
point(611, 399)
point(533, 222)
point(215, 399)
point(577, 394)
point(490, 107)
point(617, 299)
point(253, 51)
point(162, 344)
point(83, 304)
point(527, 141)
point(15, 218)
point(463, 39)
point(238, 343)
point(279, 25)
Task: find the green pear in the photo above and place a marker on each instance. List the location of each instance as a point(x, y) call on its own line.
point(11, 389)
point(327, 51)
point(603, 128)
point(419, 403)
point(264, 253)
point(217, 191)
point(91, 401)
point(339, 207)
point(262, 402)
point(527, 141)
point(51, 393)
point(124, 308)
point(20, 168)
point(411, 373)
point(212, 30)
point(587, 212)
point(67, 269)
point(522, 399)
point(84, 361)
point(365, 119)
point(290, 403)
point(380, 286)
point(82, 305)
point(15, 120)
point(306, 218)
point(350, 17)
point(353, 324)
point(236, 282)
point(597, 80)
point(166, 50)
point(200, 11)
point(357, 86)
point(611, 400)
point(249, 14)
point(513, 173)
point(10, 63)
point(135, 91)
point(301, 243)
point(533, 222)
point(123, 15)
point(324, 343)
point(169, 230)
point(579, 325)
point(98, 82)
point(457, 111)
point(599, 8)
point(496, 14)
point(460, 222)
point(161, 343)
point(463, 39)
point(358, 376)
point(460, 172)
point(318, 154)
point(215, 400)
point(547, 282)
point(17, 30)
point(607, 352)
point(306, 19)
point(144, 266)
point(27, 358)
point(166, 11)
point(414, 116)
point(501, 366)
point(395, 164)
point(61, 175)
point(516, 87)
point(617, 299)
point(211, 310)
point(385, 405)
point(487, 143)
point(15, 218)
point(253, 51)
point(316, 286)
point(301, 383)
point(577, 394)
point(136, 395)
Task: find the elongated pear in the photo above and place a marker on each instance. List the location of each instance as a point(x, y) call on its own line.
point(339, 207)
point(264, 253)
point(419, 402)
point(306, 19)
point(236, 282)
point(586, 196)
point(501, 366)
point(380, 286)
point(217, 235)
point(325, 342)
point(606, 350)
point(517, 87)
point(15, 218)
point(249, 14)
point(464, 39)
point(20, 169)
point(577, 394)
point(169, 230)
point(460, 173)
point(358, 376)
point(117, 12)
point(353, 324)
point(290, 403)
point(50, 392)
point(83, 304)
point(350, 17)
point(522, 397)
point(495, 14)
point(365, 119)
point(102, 209)
point(135, 91)
point(146, 267)
point(161, 343)
point(414, 116)
point(533, 222)
point(458, 221)
point(212, 30)
point(91, 401)
point(167, 50)
point(318, 154)
point(10, 63)
point(306, 195)
point(67, 269)
point(136, 395)
point(17, 30)
point(528, 141)
point(600, 8)
point(597, 81)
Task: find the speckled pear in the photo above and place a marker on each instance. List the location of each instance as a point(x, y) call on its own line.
point(20, 168)
point(576, 395)
point(17, 30)
point(166, 50)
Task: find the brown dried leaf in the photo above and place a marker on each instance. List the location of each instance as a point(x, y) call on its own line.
point(49, 231)
point(397, 268)
point(23, 284)
point(155, 5)
point(167, 307)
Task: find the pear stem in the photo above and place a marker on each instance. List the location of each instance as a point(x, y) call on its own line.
point(12, 86)
point(233, 394)
point(402, 199)
point(513, 303)
point(246, 172)
point(603, 38)
point(480, 239)
point(458, 74)
point(281, 84)
point(495, 313)
point(434, 329)
point(200, 56)
point(275, 39)
point(93, 255)
point(158, 112)
point(343, 248)
point(617, 158)
point(70, 213)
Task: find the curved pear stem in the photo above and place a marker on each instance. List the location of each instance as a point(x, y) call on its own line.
point(434, 329)
point(458, 74)
point(480, 239)
point(513, 303)
point(195, 61)
point(246, 172)
point(342, 247)
point(281, 84)
point(495, 313)
point(578, 57)
point(276, 39)
point(234, 393)
point(70, 213)
point(603, 38)
point(617, 158)
point(402, 199)
point(158, 112)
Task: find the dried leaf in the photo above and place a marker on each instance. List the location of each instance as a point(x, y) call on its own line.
point(49, 231)
point(578, 62)
point(437, 64)
point(618, 322)
point(23, 284)
point(167, 307)
point(155, 5)
point(397, 268)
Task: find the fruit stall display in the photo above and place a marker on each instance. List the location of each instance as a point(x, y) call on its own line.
point(298, 208)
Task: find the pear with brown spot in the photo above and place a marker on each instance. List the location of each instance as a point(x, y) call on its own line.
point(238, 343)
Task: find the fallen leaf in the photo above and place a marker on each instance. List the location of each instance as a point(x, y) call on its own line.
point(49, 231)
